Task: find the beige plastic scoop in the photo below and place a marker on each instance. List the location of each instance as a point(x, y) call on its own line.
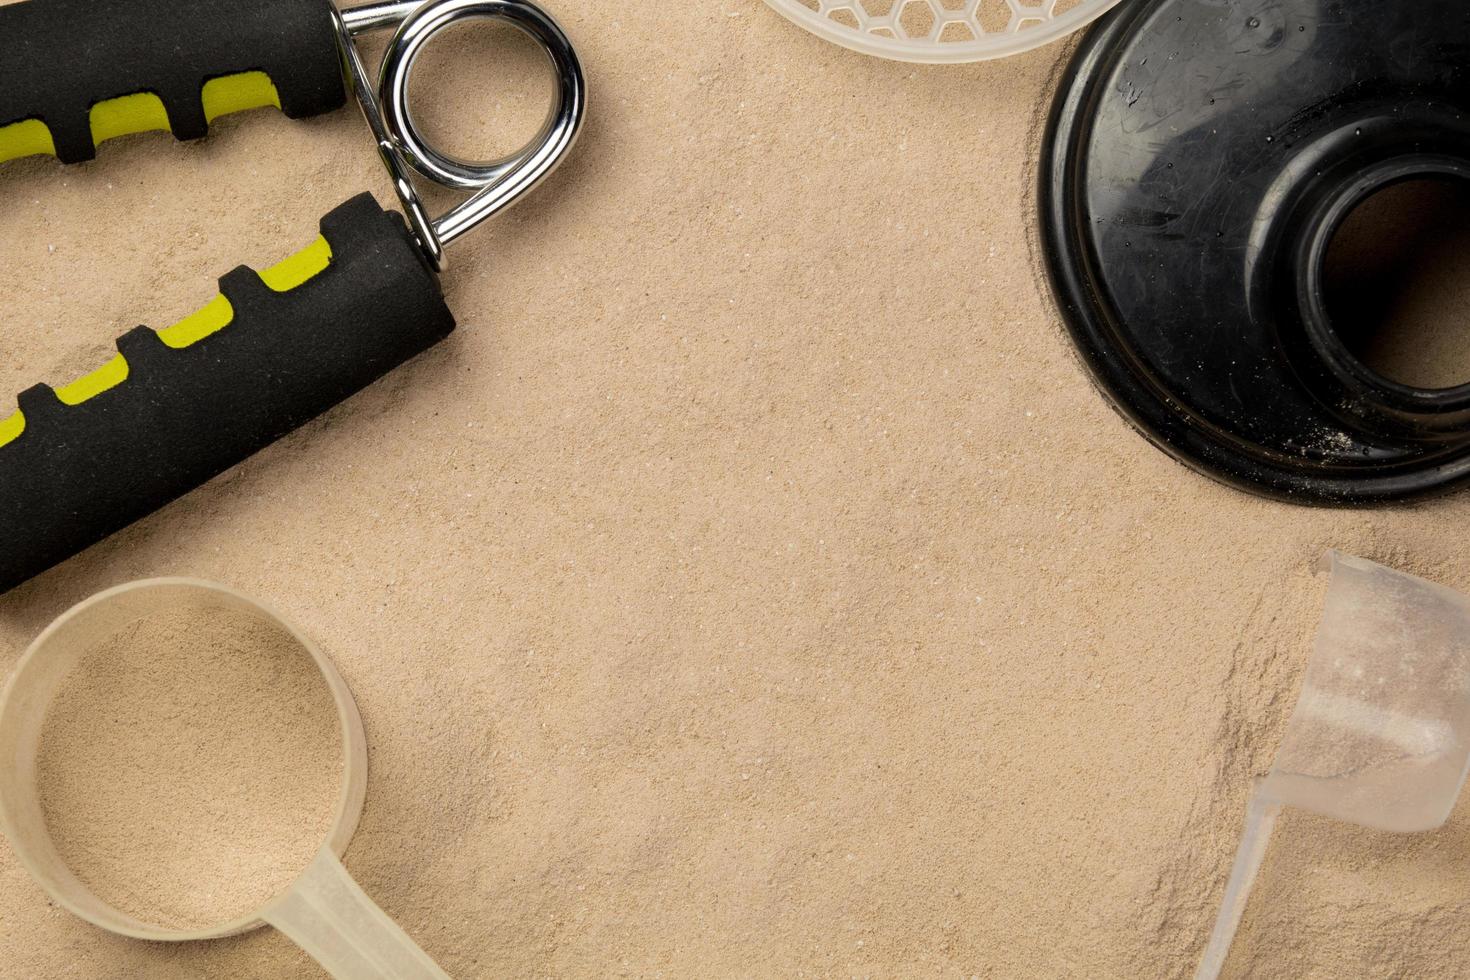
point(323, 911)
point(1380, 736)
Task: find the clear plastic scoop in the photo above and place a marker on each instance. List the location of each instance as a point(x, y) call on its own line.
point(1380, 736)
point(323, 910)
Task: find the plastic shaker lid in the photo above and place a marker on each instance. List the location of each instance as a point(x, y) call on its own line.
point(941, 31)
point(1201, 159)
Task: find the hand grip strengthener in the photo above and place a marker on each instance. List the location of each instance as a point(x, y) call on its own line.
point(277, 347)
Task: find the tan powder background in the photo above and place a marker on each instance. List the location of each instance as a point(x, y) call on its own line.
point(754, 585)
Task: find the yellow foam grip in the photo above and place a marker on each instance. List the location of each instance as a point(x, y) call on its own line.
point(114, 372)
point(215, 315)
point(296, 269)
point(12, 427)
point(143, 112)
point(236, 93)
point(26, 138)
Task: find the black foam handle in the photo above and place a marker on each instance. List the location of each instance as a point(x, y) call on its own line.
point(58, 58)
point(77, 473)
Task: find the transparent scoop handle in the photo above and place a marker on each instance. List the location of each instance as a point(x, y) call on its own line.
point(1260, 820)
point(329, 916)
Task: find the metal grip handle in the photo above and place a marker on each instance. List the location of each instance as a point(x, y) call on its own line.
point(179, 406)
point(74, 73)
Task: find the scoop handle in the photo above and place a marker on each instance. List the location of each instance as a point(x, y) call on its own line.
point(1260, 821)
point(329, 916)
point(74, 73)
point(176, 407)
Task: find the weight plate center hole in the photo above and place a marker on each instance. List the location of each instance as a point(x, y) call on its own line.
point(1396, 282)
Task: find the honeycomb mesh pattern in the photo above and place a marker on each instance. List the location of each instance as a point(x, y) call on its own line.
point(941, 30)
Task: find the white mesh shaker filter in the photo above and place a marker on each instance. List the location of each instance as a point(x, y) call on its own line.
point(941, 31)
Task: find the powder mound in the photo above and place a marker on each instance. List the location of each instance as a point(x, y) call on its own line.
point(189, 766)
